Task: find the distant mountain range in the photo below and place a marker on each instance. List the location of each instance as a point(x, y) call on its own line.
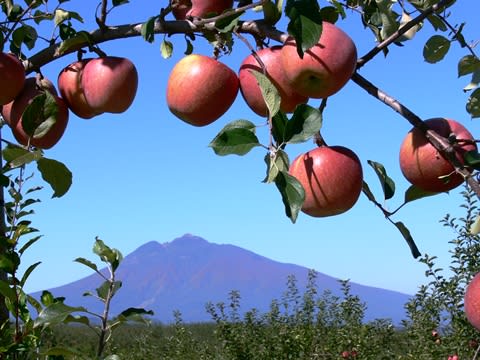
point(189, 271)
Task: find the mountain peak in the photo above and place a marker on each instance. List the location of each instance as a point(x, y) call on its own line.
point(187, 240)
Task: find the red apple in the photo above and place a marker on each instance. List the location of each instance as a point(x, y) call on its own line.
point(182, 9)
point(12, 77)
point(471, 302)
point(13, 112)
point(325, 68)
point(251, 91)
point(422, 165)
point(109, 84)
point(71, 89)
point(201, 89)
point(332, 177)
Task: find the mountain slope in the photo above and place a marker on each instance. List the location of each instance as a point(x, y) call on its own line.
point(188, 272)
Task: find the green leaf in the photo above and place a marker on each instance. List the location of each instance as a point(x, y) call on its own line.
point(305, 123)
point(475, 227)
point(271, 13)
point(227, 24)
point(275, 163)
point(468, 64)
point(17, 157)
point(237, 137)
point(293, 194)
point(40, 16)
point(28, 272)
point(56, 174)
point(279, 125)
point(166, 49)
point(80, 39)
point(40, 115)
point(47, 298)
point(436, 48)
point(107, 254)
point(63, 15)
point(270, 93)
point(388, 185)
point(368, 193)
point(103, 291)
point(189, 48)
point(408, 238)
point(55, 314)
point(7, 291)
point(25, 35)
point(474, 82)
point(414, 193)
point(148, 28)
point(305, 23)
point(28, 244)
point(119, 2)
point(87, 263)
point(472, 159)
point(134, 312)
point(473, 104)
point(437, 22)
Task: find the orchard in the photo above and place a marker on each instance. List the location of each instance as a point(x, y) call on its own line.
point(299, 59)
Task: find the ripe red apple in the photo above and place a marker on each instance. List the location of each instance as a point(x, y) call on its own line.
point(422, 164)
point(181, 9)
point(12, 77)
point(201, 89)
point(332, 177)
point(109, 84)
point(471, 302)
point(251, 91)
point(325, 68)
point(13, 112)
point(71, 89)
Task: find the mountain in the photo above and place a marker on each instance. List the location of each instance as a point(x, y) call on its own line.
point(188, 272)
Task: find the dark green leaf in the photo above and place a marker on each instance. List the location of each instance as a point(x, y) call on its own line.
point(468, 64)
point(271, 12)
point(107, 254)
point(189, 48)
point(270, 93)
point(130, 312)
point(166, 49)
point(293, 194)
point(368, 193)
point(7, 291)
point(305, 123)
point(119, 2)
point(56, 174)
point(472, 159)
point(275, 163)
point(40, 115)
point(473, 104)
point(279, 124)
point(80, 38)
point(55, 314)
point(17, 157)
point(437, 22)
point(148, 28)
point(39, 16)
point(9, 262)
point(87, 263)
point(108, 289)
point(47, 298)
point(408, 238)
point(237, 137)
point(32, 301)
point(474, 82)
point(387, 183)
point(436, 48)
point(28, 244)
point(28, 272)
point(227, 24)
point(63, 15)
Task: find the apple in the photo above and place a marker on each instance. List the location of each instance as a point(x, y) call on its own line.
point(423, 166)
point(12, 73)
point(201, 89)
point(471, 301)
point(71, 89)
point(325, 68)
point(109, 84)
point(13, 112)
point(332, 177)
point(251, 91)
point(182, 9)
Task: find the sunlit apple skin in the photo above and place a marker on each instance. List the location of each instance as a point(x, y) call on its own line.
point(422, 164)
point(200, 8)
point(325, 68)
point(109, 84)
point(251, 91)
point(13, 111)
point(472, 302)
point(201, 89)
point(12, 77)
point(71, 89)
point(332, 177)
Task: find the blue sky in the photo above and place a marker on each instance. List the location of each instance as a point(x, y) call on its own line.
point(145, 175)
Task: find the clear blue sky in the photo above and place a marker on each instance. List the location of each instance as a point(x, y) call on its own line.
point(145, 175)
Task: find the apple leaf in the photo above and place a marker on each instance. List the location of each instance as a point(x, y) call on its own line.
point(63, 15)
point(55, 314)
point(25, 34)
point(475, 227)
point(107, 254)
point(40, 115)
point(473, 104)
point(148, 28)
point(388, 185)
point(368, 193)
point(279, 125)
point(305, 23)
point(306, 121)
point(472, 159)
point(16, 156)
point(270, 93)
point(408, 238)
point(415, 193)
point(468, 64)
point(80, 38)
point(474, 82)
point(227, 24)
point(436, 48)
point(119, 2)
point(293, 194)
point(276, 162)
point(271, 12)
point(56, 174)
point(166, 49)
point(104, 290)
point(237, 137)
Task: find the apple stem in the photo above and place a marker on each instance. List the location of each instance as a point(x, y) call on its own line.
point(319, 140)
